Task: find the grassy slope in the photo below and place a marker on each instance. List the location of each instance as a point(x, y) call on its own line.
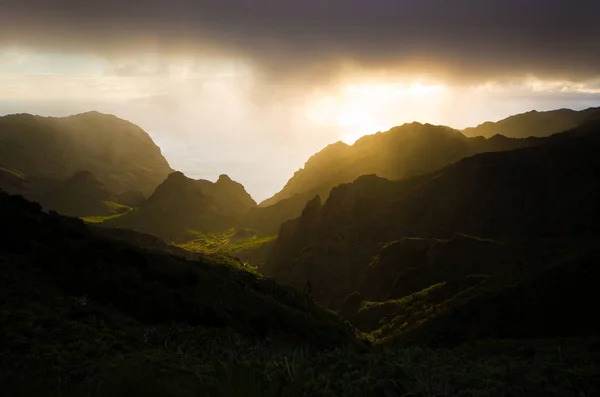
point(242, 243)
point(116, 210)
point(13, 172)
point(528, 300)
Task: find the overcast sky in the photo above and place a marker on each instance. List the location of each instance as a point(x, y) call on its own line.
point(253, 88)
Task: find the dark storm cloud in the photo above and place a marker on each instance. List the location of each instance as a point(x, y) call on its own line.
point(461, 40)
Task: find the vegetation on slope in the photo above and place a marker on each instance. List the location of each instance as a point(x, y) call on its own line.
point(83, 315)
point(524, 301)
point(12, 180)
point(15, 173)
point(245, 244)
point(53, 262)
point(115, 209)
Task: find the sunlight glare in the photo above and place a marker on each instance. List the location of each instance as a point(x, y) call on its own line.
point(361, 109)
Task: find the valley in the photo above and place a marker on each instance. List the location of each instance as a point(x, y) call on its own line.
point(421, 261)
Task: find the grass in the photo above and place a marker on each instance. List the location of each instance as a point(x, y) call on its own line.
point(385, 318)
point(183, 361)
point(16, 173)
point(230, 242)
point(117, 210)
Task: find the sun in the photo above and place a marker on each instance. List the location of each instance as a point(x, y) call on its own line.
point(356, 122)
point(362, 109)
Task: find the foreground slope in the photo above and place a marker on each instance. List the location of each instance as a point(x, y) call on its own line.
point(63, 285)
point(146, 285)
point(120, 154)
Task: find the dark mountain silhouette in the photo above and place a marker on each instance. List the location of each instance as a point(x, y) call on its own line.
point(86, 287)
point(120, 154)
point(410, 277)
point(349, 244)
point(514, 303)
point(81, 195)
point(534, 123)
point(410, 149)
point(181, 204)
point(131, 198)
point(268, 219)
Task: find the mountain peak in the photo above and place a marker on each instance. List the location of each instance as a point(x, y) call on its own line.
point(224, 178)
point(174, 181)
point(312, 206)
point(177, 175)
point(84, 176)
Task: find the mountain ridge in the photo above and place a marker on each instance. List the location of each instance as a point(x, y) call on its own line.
point(119, 153)
point(181, 204)
point(406, 150)
point(534, 123)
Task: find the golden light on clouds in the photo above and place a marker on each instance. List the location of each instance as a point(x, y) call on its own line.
point(213, 115)
point(360, 109)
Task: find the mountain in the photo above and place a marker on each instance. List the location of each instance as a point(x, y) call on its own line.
point(131, 198)
point(120, 154)
point(534, 123)
point(180, 205)
point(410, 149)
point(81, 195)
point(267, 220)
point(353, 243)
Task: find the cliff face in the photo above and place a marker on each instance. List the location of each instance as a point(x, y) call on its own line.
point(120, 154)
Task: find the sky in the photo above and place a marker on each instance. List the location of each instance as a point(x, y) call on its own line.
point(254, 88)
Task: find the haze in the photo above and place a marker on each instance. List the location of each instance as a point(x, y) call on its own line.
point(252, 89)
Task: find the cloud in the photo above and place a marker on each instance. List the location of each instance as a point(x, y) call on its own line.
point(301, 41)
